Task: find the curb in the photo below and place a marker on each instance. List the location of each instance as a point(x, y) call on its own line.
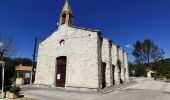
point(117, 89)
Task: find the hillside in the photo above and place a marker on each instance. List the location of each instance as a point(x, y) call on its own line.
point(161, 66)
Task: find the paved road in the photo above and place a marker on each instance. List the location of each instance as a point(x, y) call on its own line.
point(145, 89)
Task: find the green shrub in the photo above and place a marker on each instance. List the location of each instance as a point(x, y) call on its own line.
point(160, 77)
point(168, 81)
point(14, 89)
point(168, 76)
point(7, 88)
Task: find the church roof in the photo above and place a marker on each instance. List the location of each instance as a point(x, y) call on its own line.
point(67, 7)
point(87, 29)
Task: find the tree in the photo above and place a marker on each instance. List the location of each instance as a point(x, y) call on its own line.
point(10, 64)
point(146, 52)
point(151, 52)
point(137, 52)
point(23, 61)
point(138, 70)
point(9, 71)
point(162, 67)
point(7, 45)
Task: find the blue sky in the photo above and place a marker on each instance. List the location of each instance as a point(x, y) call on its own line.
point(124, 21)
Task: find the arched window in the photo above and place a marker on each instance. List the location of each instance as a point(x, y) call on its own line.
point(64, 18)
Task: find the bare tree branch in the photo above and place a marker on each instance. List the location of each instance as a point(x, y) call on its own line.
point(8, 47)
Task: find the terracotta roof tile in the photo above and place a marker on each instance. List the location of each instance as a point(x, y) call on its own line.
point(23, 68)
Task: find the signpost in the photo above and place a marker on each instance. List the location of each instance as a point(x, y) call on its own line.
point(2, 64)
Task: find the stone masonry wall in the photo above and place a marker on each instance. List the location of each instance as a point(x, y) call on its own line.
point(85, 51)
point(126, 67)
point(114, 63)
point(81, 49)
point(106, 58)
point(100, 40)
point(121, 58)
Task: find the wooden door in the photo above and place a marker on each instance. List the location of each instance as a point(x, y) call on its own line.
point(61, 71)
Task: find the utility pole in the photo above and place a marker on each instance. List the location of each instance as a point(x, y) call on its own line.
point(1, 51)
point(33, 58)
point(2, 64)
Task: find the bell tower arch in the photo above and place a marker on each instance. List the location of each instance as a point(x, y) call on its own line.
point(66, 16)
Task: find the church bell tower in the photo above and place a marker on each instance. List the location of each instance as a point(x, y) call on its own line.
point(66, 16)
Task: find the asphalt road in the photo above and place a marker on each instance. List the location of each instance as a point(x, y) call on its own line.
point(145, 89)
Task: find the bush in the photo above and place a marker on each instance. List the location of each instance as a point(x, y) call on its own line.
point(160, 76)
point(168, 81)
point(167, 76)
point(14, 89)
point(7, 88)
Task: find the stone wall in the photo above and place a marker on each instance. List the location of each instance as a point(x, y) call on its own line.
point(106, 60)
point(100, 40)
point(121, 58)
point(81, 49)
point(126, 67)
point(86, 51)
point(116, 77)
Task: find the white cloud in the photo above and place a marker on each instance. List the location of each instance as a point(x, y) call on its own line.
point(128, 46)
point(1, 44)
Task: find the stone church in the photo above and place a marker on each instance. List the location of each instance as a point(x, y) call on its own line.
point(79, 58)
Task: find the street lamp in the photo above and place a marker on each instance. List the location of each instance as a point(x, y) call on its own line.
point(2, 64)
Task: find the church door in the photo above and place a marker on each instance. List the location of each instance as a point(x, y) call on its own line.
point(61, 71)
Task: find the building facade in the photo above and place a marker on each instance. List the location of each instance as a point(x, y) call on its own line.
point(79, 58)
point(23, 74)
